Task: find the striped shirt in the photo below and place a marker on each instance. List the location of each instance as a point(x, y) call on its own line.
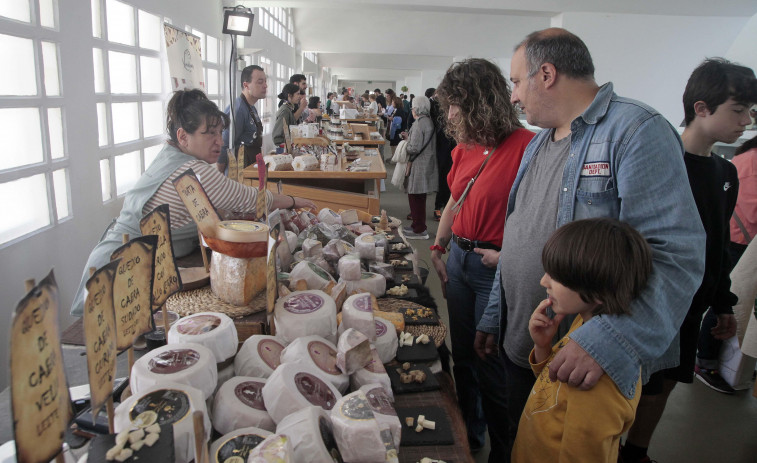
point(223, 192)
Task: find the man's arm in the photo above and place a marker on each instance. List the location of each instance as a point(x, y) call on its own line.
point(655, 198)
point(487, 329)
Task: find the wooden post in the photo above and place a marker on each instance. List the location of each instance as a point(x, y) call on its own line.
point(109, 410)
point(200, 446)
point(204, 259)
point(166, 326)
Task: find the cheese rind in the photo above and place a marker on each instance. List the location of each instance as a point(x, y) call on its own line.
point(239, 404)
point(353, 351)
point(316, 277)
point(370, 282)
point(189, 363)
point(276, 448)
point(241, 231)
point(386, 340)
point(317, 352)
point(259, 356)
point(294, 386)
point(305, 313)
point(383, 410)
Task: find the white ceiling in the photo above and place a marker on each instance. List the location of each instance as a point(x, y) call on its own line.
point(389, 40)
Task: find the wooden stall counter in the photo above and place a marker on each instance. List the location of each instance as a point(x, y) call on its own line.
point(338, 189)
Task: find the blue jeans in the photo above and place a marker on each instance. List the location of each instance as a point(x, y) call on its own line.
point(480, 384)
point(519, 383)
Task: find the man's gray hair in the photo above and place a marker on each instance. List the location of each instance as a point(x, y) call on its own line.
point(422, 106)
point(564, 50)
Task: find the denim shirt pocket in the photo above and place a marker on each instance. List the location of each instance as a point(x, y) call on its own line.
point(596, 197)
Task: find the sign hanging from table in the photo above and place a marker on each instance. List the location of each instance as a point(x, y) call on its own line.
point(167, 279)
point(184, 52)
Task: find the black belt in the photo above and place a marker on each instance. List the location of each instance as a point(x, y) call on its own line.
point(468, 245)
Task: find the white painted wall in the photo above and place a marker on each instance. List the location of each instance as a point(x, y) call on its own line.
point(744, 49)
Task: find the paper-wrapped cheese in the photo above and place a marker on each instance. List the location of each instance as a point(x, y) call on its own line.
point(356, 430)
point(259, 356)
point(305, 162)
point(294, 386)
point(276, 448)
point(383, 410)
point(189, 363)
point(304, 313)
point(312, 435)
point(371, 282)
point(278, 162)
point(353, 351)
point(383, 269)
point(349, 268)
point(167, 403)
point(216, 331)
point(357, 313)
point(373, 372)
point(319, 353)
point(315, 276)
point(365, 245)
point(311, 248)
point(239, 404)
point(386, 340)
point(329, 216)
point(225, 372)
point(236, 445)
point(291, 240)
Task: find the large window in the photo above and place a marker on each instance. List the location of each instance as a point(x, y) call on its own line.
point(34, 185)
point(278, 21)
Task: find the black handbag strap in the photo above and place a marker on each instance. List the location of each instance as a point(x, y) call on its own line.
point(412, 158)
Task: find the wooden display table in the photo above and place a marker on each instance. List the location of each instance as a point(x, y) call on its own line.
point(338, 189)
point(368, 120)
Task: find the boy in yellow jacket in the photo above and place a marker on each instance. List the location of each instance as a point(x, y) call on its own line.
point(592, 267)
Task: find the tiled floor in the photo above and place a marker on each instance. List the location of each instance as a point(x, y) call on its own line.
point(699, 424)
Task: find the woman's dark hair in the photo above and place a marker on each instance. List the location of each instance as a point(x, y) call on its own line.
point(189, 110)
point(748, 145)
point(313, 102)
point(601, 259)
point(478, 87)
point(288, 90)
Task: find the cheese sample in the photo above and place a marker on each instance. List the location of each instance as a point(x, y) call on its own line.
point(353, 351)
point(168, 403)
point(312, 435)
point(357, 313)
point(370, 282)
point(236, 280)
point(188, 363)
point(319, 353)
point(239, 404)
point(349, 217)
point(241, 231)
point(305, 162)
point(329, 216)
point(276, 448)
point(383, 410)
point(311, 248)
point(356, 430)
point(316, 277)
point(339, 293)
point(365, 245)
point(278, 162)
point(291, 240)
point(349, 268)
point(237, 445)
point(216, 331)
point(259, 356)
point(304, 313)
point(294, 386)
point(386, 340)
point(373, 372)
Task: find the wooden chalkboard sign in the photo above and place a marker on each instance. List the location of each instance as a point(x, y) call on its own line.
point(39, 394)
point(132, 289)
point(261, 208)
point(233, 166)
point(100, 334)
point(197, 202)
point(166, 280)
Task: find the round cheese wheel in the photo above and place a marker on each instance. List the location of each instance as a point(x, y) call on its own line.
point(166, 403)
point(294, 386)
point(216, 331)
point(370, 282)
point(357, 313)
point(315, 276)
point(365, 245)
point(304, 313)
point(237, 445)
point(386, 340)
point(242, 231)
point(312, 435)
point(259, 356)
point(383, 411)
point(319, 353)
point(189, 363)
point(356, 430)
point(372, 372)
point(276, 448)
point(239, 404)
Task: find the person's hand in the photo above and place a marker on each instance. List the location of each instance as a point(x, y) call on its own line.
point(726, 327)
point(485, 344)
point(302, 203)
point(403, 135)
point(441, 269)
point(489, 257)
point(574, 366)
point(303, 99)
point(541, 327)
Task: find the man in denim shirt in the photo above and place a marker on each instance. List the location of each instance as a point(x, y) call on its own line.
point(613, 157)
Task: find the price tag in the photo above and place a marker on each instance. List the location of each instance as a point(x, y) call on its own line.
point(132, 289)
point(39, 394)
point(167, 279)
point(100, 334)
point(197, 202)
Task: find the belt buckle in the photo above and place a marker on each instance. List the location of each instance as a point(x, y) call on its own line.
point(465, 244)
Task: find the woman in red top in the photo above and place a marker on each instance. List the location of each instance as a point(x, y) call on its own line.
point(476, 98)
